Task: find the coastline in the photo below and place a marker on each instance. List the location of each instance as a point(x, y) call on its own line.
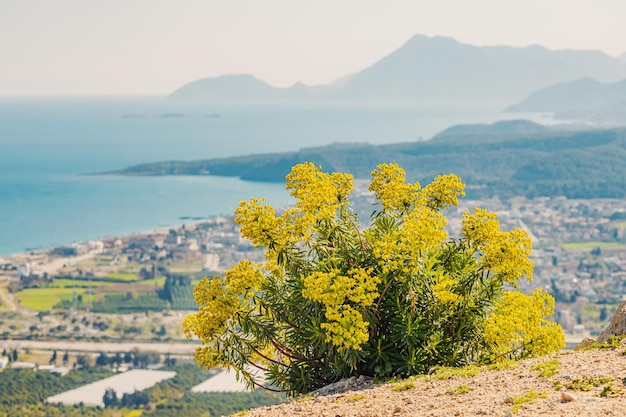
point(52, 265)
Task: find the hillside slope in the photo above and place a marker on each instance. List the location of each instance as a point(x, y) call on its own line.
point(587, 164)
point(490, 393)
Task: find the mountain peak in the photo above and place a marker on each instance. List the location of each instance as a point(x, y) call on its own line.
point(430, 42)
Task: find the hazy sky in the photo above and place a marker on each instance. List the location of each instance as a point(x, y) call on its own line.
point(155, 46)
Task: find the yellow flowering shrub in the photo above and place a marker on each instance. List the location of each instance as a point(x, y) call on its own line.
point(518, 328)
point(397, 297)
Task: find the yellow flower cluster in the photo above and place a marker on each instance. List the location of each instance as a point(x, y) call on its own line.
point(345, 328)
point(423, 228)
point(443, 291)
point(443, 192)
point(219, 299)
point(211, 356)
point(319, 194)
point(388, 184)
point(258, 222)
point(519, 326)
point(504, 253)
point(400, 250)
point(216, 307)
point(341, 296)
point(244, 279)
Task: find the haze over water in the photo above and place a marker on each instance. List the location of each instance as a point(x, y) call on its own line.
point(47, 145)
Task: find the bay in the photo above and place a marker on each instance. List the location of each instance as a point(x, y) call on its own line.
point(48, 145)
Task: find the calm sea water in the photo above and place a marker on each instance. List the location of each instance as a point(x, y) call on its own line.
point(48, 145)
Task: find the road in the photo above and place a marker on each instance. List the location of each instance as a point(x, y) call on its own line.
point(523, 226)
point(6, 301)
point(108, 347)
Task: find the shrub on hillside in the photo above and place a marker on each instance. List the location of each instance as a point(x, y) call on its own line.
point(396, 298)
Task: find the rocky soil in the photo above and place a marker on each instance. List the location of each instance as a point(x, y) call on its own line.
point(585, 383)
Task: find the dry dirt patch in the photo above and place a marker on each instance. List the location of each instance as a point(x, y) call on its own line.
point(490, 393)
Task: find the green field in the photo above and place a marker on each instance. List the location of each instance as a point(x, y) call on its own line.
point(70, 283)
point(155, 281)
point(43, 299)
point(588, 246)
point(131, 295)
point(123, 276)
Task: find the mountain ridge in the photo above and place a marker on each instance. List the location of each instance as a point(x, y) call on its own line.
point(432, 69)
point(582, 99)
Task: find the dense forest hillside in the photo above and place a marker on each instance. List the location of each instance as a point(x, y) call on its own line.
point(587, 164)
point(505, 127)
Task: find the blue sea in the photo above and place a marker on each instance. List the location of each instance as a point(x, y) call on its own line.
point(48, 145)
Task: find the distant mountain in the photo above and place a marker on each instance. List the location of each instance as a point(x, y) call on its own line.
point(502, 128)
point(444, 69)
point(583, 99)
point(623, 57)
point(434, 69)
point(232, 87)
point(248, 87)
point(587, 164)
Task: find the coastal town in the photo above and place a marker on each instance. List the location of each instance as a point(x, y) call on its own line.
point(579, 251)
point(112, 308)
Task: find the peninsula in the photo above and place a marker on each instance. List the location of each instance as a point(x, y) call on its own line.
point(539, 162)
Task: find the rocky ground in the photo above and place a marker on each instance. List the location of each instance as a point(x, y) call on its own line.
point(584, 383)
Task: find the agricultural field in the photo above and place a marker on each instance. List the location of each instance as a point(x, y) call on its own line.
point(77, 283)
point(591, 245)
point(123, 276)
point(43, 299)
point(29, 392)
point(107, 296)
point(124, 383)
point(158, 282)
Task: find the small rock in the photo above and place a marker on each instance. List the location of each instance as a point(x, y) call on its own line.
point(617, 325)
point(584, 343)
point(592, 399)
point(397, 410)
point(566, 397)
